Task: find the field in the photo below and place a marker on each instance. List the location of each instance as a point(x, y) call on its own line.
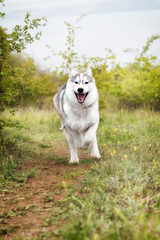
point(41, 195)
point(117, 197)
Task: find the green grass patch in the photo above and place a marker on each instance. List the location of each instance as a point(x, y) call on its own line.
point(119, 197)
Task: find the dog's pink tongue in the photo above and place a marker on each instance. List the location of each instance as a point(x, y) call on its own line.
point(81, 97)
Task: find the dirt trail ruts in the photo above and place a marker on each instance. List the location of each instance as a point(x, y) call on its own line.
point(25, 208)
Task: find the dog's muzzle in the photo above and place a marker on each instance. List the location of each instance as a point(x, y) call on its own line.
point(81, 97)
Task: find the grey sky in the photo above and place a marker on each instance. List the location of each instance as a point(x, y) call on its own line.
point(17, 8)
point(114, 24)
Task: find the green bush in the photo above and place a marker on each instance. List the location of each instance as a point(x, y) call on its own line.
point(137, 87)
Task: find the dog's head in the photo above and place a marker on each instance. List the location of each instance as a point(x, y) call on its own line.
point(82, 85)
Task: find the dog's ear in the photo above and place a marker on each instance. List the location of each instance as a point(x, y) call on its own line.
point(89, 72)
point(73, 72)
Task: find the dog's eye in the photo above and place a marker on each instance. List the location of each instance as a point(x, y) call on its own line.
point(76, 82)
point(86, 82)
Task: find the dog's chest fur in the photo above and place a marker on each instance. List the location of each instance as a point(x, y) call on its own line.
point(80, 118)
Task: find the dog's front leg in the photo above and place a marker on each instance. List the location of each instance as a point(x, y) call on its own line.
point(94, 149)
point(90, 140)
point(72, 145)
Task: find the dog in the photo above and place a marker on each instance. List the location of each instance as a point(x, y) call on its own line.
point(77, 104)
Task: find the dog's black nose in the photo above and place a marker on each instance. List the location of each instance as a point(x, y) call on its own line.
point(80, 90)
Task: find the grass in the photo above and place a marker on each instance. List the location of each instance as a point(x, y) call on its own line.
point(119, 198)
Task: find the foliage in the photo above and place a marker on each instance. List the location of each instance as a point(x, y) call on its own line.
point(138, 84)
point(10, 76)
point(137, 87)
point(38, 85)
point(12, 79)
point(134, 85)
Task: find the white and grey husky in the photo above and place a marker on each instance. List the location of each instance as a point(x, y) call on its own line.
point(77, 105)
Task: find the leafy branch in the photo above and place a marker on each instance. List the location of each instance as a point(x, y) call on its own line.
point(21, 36)
point(69, 55)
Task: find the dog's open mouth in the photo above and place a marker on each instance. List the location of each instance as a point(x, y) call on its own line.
point(81, 97)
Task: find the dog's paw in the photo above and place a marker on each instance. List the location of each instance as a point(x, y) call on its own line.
point(95, 155)
point(74, 161)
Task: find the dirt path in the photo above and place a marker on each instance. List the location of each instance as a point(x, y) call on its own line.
point(33, 209)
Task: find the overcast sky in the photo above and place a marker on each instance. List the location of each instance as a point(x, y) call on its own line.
point(17, 8)
point(115, 24)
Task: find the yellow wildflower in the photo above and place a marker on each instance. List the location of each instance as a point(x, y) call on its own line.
point(115, 129)
point(125, 156)
point(135, 148)
point(104, 144)
point(124, 130)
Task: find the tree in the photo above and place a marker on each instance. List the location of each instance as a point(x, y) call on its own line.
point(16, 41)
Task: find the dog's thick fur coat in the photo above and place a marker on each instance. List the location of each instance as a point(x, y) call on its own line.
point(77, 105)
